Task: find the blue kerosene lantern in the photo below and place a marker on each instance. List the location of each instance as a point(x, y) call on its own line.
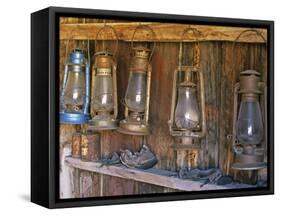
point(75, 94)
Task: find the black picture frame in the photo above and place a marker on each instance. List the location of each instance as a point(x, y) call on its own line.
point(45, 113)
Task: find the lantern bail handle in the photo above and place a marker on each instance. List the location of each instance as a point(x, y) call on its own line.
point(71, 36)
point(196, 33)
point(258, 33)
point(115, 34)
point(149, 29)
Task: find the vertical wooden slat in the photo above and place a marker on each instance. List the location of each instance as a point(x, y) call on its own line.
point(76, 183)
point(86, 184)
point(211, 67)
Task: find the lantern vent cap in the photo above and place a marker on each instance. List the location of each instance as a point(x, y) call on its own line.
point(77, 56)
point(250, 72)
point(103, 53)
point(141, 52)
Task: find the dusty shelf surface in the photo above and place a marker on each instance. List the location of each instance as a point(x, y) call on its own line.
point(153, 176)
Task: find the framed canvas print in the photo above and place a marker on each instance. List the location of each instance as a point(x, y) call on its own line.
point(138, 107)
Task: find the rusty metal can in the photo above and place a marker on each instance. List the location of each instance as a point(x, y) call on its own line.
point(90, 146)
point(84, 147)
point(94, 146)
point(76, 145)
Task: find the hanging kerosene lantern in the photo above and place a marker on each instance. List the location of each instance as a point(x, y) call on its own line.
point(249, 124)
point(104, 97)
point(187, 118)
point(75, 94)
point(138, 89)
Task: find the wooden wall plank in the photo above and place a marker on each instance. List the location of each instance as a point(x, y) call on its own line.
point(211, 67)
point(110, 142)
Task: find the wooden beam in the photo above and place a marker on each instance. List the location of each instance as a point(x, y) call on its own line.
point(153, 176)
point(164, 32)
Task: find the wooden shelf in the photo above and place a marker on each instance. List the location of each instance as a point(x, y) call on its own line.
point(164, 32)
point(152, 176)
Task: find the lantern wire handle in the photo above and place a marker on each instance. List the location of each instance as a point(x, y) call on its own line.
point(104, 23)
point(196, 58)
point(148, 28)
point(71, 38)
point(88, 44)
point(108, 27)
point(258, 33)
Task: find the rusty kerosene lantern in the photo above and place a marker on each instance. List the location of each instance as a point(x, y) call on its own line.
point(249, 123)
point(187, 118)
point(75, 94)
point(104, 94)
point(138, 89)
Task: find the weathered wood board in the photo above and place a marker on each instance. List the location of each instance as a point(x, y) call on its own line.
point(164, 32)
point(154, 176)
